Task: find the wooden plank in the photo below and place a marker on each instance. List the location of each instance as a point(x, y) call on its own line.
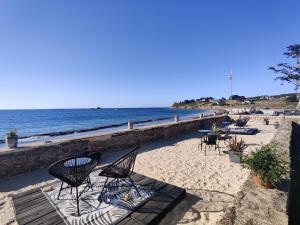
point(35, 213)
point(148, 182)
point(172, 191)
point(128, 221)
point(50, 219)
point(61, 223)
point(157, 207)
point(30, 198)
point(30, 205)
point(34, 208)
point(19, 195)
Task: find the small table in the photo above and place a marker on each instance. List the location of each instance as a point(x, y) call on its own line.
point(225, 123)
point(204, 134)
point(80, 161)
point(204, 131)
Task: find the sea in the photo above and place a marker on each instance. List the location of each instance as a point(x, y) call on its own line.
point(50, 124)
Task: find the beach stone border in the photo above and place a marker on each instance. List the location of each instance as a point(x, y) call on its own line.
point(260, 206)
point(26, 159)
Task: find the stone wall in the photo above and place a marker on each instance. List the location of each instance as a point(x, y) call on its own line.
point(262, 206)
point(260, 118)
point(294, 194)
point(26, 159)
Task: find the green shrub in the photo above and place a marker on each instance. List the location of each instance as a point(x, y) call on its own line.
point(266, 163)
point(215, 129)
point(11, 133)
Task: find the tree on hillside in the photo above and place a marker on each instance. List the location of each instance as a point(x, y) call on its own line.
point(288, 72)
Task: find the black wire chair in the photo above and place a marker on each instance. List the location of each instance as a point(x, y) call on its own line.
point(202, 137)
point(74, 171)
point(241, 122)
point(211, 140)
point(120, 169)
point(93, 154)
point(225, 135)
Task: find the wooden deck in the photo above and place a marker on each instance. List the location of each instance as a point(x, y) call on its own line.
point(33, 208)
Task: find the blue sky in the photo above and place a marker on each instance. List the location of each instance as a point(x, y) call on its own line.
point(69, 54)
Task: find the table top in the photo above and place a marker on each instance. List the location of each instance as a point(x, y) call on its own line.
point(204, 131)
point(80, 161)
point(225, 122)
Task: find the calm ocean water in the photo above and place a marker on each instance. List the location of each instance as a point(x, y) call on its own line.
point(36, 122)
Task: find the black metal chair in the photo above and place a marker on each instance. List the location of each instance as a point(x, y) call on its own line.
point(93, 154)
point(241, 122)
point(120, 169)
point(202, 137)
point(211, 140)
point(74, 171)
point(225, 135)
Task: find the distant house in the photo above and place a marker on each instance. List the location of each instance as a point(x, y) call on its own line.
point(265, 97)
point(248, 102)
point(215, 101)
point(238, 98)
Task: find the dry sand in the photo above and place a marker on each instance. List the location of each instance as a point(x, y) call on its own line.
point(211, 181)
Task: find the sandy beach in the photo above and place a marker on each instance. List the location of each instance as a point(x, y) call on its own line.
point(211, 181)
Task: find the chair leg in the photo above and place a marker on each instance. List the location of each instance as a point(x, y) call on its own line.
point(90, 183)
point(200, 145)
point(205, 150)
point(77, 200)
point(103, 187)
point(61, 186)
point(134, 186)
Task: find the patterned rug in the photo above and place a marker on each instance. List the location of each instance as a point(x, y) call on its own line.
point(114, 204)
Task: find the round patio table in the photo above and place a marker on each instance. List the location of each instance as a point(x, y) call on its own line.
point(80, 161)
point(226, 123)
point(204, 134)
point(204, 131)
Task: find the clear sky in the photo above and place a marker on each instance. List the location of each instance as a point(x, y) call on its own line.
point(142, 53)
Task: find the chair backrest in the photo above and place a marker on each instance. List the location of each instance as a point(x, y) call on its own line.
point(241, 122)
point(226, 132)
point(246, 120)
point(93, 154)
point(212, 139)
point(124, 165)
point(73, 170)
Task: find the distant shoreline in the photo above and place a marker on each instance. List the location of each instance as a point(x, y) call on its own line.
point(67, 132)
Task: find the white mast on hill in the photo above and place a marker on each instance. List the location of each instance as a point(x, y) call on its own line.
point(230, 98)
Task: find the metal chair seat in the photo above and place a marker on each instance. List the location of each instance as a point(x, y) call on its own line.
point(74, 173)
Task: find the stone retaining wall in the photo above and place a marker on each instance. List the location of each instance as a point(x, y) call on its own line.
point(254, 205)
point(31, 158)
point(260, 118)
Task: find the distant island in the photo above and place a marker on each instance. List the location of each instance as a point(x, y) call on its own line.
point(288, 101)
point(97, 108)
